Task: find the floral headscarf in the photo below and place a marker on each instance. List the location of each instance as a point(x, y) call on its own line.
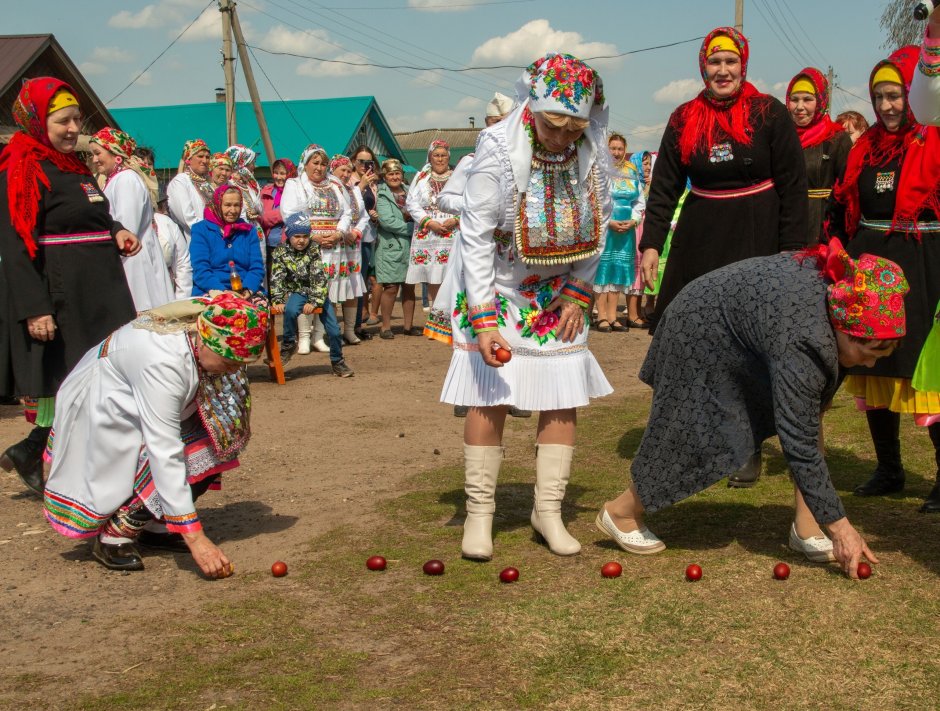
point(218, 159)
point(562, 83)
point(822, 127)
point(213, 211)
point(288, 166)
point(233, 327)
point(338, 161)
point(122, 145)
point(865, 296)
point(242, 175)
point(22, 158)
point(191, 148)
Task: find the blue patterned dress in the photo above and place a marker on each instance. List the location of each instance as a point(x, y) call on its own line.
point(617, 268)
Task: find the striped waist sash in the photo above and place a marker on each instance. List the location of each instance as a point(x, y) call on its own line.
point(321, 225)
point(886, 226)
point(76, 238)
point(819, 193)
point(734, 193)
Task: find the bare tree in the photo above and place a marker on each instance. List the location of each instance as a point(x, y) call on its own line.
point(898, 21)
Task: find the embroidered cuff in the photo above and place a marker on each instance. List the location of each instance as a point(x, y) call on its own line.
point(483, 317)
point(424, 223)
point(187, 523)
point(578, 291)
point(929, 63)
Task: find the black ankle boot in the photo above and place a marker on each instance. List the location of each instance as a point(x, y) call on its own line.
point(932, 503)
point(26, 457)
point(747, 475)
point(888, 476)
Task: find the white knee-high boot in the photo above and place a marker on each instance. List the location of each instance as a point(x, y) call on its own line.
point(552, 471)
point(481, 468)
point(349, 325)
point(303, 334)
point(316, 339)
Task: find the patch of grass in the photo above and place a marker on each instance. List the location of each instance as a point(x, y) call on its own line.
point(563, 637)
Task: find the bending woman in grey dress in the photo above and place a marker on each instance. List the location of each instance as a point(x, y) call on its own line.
point(747, 352)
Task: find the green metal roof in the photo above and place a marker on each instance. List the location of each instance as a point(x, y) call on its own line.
point(333, 123)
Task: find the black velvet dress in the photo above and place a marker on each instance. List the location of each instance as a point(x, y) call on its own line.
point(919, 259)
point(712, 233)
point(824, 163)
point(81, 285)
point(744, 353)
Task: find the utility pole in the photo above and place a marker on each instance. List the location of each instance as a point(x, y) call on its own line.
point(739, 15)
point(252, 87)
point(228, 66)
point(831, 76)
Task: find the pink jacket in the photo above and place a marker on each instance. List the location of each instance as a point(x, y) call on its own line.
point(270, 215)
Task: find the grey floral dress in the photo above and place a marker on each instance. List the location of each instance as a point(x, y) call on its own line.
point(743, 353)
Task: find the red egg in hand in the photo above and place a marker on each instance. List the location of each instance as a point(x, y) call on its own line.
point(508, 575)
point(434, 567)
point(781, 571)
point(502, 355)
point(279, 569)
point(613, 569)
point(376, 562)
point(863, 570)
point(693, 573)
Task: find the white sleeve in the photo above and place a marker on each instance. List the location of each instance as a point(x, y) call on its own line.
point(180, 202)
point(480, 216)
point(450, 199)
point(416, 201)
point(363, 223)
point(293, 200)
point(925, 89)
point(638, 209)
point(183, 268)
point(129, 201)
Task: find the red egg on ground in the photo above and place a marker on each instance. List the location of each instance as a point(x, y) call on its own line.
point(434, 567)
point(693, 573)
point(781, 571)
point(864, 571)
point(376, 562)
point(613, 569)
point(503, 355)
point(508, 575)
point(279, 569)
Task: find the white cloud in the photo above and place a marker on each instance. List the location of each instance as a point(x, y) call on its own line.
point(534, 39)
point(439, 118)
point(281, 39)
point(317, 69)
point(146, 79)
point(645, 137)
point(146, 18)
point(92, 68)
point(677, 91)
point(208, 26)
point(780, 88)
point(443, 5)
point(111, 54)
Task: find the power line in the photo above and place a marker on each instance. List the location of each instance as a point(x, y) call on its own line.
point(433, 7)
point(144, 70)
point(806, 34)
point(846, 91)
point(286, 106)
point(777, 34)
point(462, 69)
point(788, 32)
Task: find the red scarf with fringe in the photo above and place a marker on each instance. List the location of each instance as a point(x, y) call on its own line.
point(23, 156)
point(822, 127)
point(707, 119)
point(914, 146)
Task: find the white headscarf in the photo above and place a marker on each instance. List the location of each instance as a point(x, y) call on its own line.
point(499, 106)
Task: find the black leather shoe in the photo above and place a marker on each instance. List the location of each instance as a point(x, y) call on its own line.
point(121, 556)
point(163, 541)
point(26, 457)
point(461, 410)
point(746, 476)
point(881, 483)
point(516, 412)
point(932, 504)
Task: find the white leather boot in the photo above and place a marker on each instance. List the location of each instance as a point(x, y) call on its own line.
point(481, 468)
point(552, 471)
point(303, 334)
point(316, 338)
point(349, 325)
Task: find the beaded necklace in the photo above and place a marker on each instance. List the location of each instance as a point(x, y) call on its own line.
point(323, 201)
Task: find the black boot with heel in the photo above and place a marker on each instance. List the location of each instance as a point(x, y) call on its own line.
point(888, 477)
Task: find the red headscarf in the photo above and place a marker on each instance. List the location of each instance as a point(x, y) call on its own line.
point(288, 166)
point(822, 127)
point(916, 146)
point(213, 212)
point(706, 119)
point(28, 147)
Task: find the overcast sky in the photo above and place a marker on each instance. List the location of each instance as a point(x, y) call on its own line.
point(112, 41)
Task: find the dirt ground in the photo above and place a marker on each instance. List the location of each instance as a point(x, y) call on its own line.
point(324, 450)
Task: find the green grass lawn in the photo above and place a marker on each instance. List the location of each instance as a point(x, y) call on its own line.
point(334, 635)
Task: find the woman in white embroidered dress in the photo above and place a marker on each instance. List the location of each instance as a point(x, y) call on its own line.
point(326, 203)
point(190, 191)
point(434, 228)
point(131, 200)
point(341, 169)
point(535, 213)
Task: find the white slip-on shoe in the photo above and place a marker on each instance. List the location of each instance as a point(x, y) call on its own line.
point(641, 541)
point(817, 549)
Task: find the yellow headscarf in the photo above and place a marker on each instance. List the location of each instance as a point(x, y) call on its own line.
point(60, 100)
point(721, 43)
point(803, 85)
point(887, 73)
